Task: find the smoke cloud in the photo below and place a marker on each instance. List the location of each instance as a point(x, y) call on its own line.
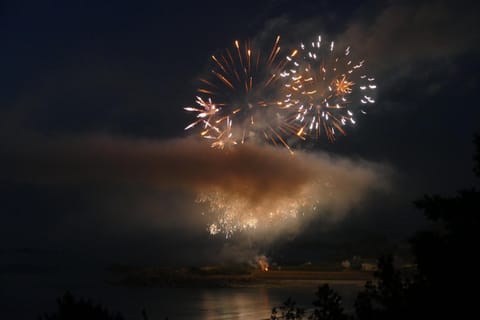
point(247, 187)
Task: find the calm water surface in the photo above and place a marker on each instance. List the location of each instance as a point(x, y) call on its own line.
point(225, 303)
point(25, 297)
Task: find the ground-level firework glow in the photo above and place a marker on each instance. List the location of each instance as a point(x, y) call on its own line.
point(233, 213)
point(262, 262)
point(328, 186)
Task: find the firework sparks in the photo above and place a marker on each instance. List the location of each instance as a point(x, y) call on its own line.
point(224, 137)
point(243, 86)
point(233, 213)
point(204, 115)
point(324, 89)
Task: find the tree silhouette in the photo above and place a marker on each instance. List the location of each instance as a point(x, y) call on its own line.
point(71, 309)
point(328, 305)
point(388, 298)
point(444, 279)
point(287, 311)
point(366, 302)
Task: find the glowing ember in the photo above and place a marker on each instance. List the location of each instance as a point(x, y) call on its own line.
point(262, 262)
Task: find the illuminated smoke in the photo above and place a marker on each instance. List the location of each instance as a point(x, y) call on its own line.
point(250, 188)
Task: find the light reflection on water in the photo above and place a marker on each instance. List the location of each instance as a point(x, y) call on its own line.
point(239, 303)
point(27, 299)
point(236, 305)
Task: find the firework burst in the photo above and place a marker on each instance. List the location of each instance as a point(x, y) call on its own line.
point(325, 89)
point(238, 98)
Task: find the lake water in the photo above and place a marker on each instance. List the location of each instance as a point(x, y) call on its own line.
point(225, 303)
point(25, 297)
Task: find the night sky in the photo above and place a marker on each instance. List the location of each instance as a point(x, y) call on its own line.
point(117, 74)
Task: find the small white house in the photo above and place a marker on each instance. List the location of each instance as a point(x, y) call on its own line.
point(346, 264)
point(369, 266)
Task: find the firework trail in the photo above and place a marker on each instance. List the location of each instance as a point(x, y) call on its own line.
point(325, 89)
point(237, 102)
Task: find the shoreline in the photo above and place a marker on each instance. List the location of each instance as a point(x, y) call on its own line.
point(267, 279)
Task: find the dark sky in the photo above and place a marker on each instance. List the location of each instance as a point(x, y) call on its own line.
point(125, 70)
